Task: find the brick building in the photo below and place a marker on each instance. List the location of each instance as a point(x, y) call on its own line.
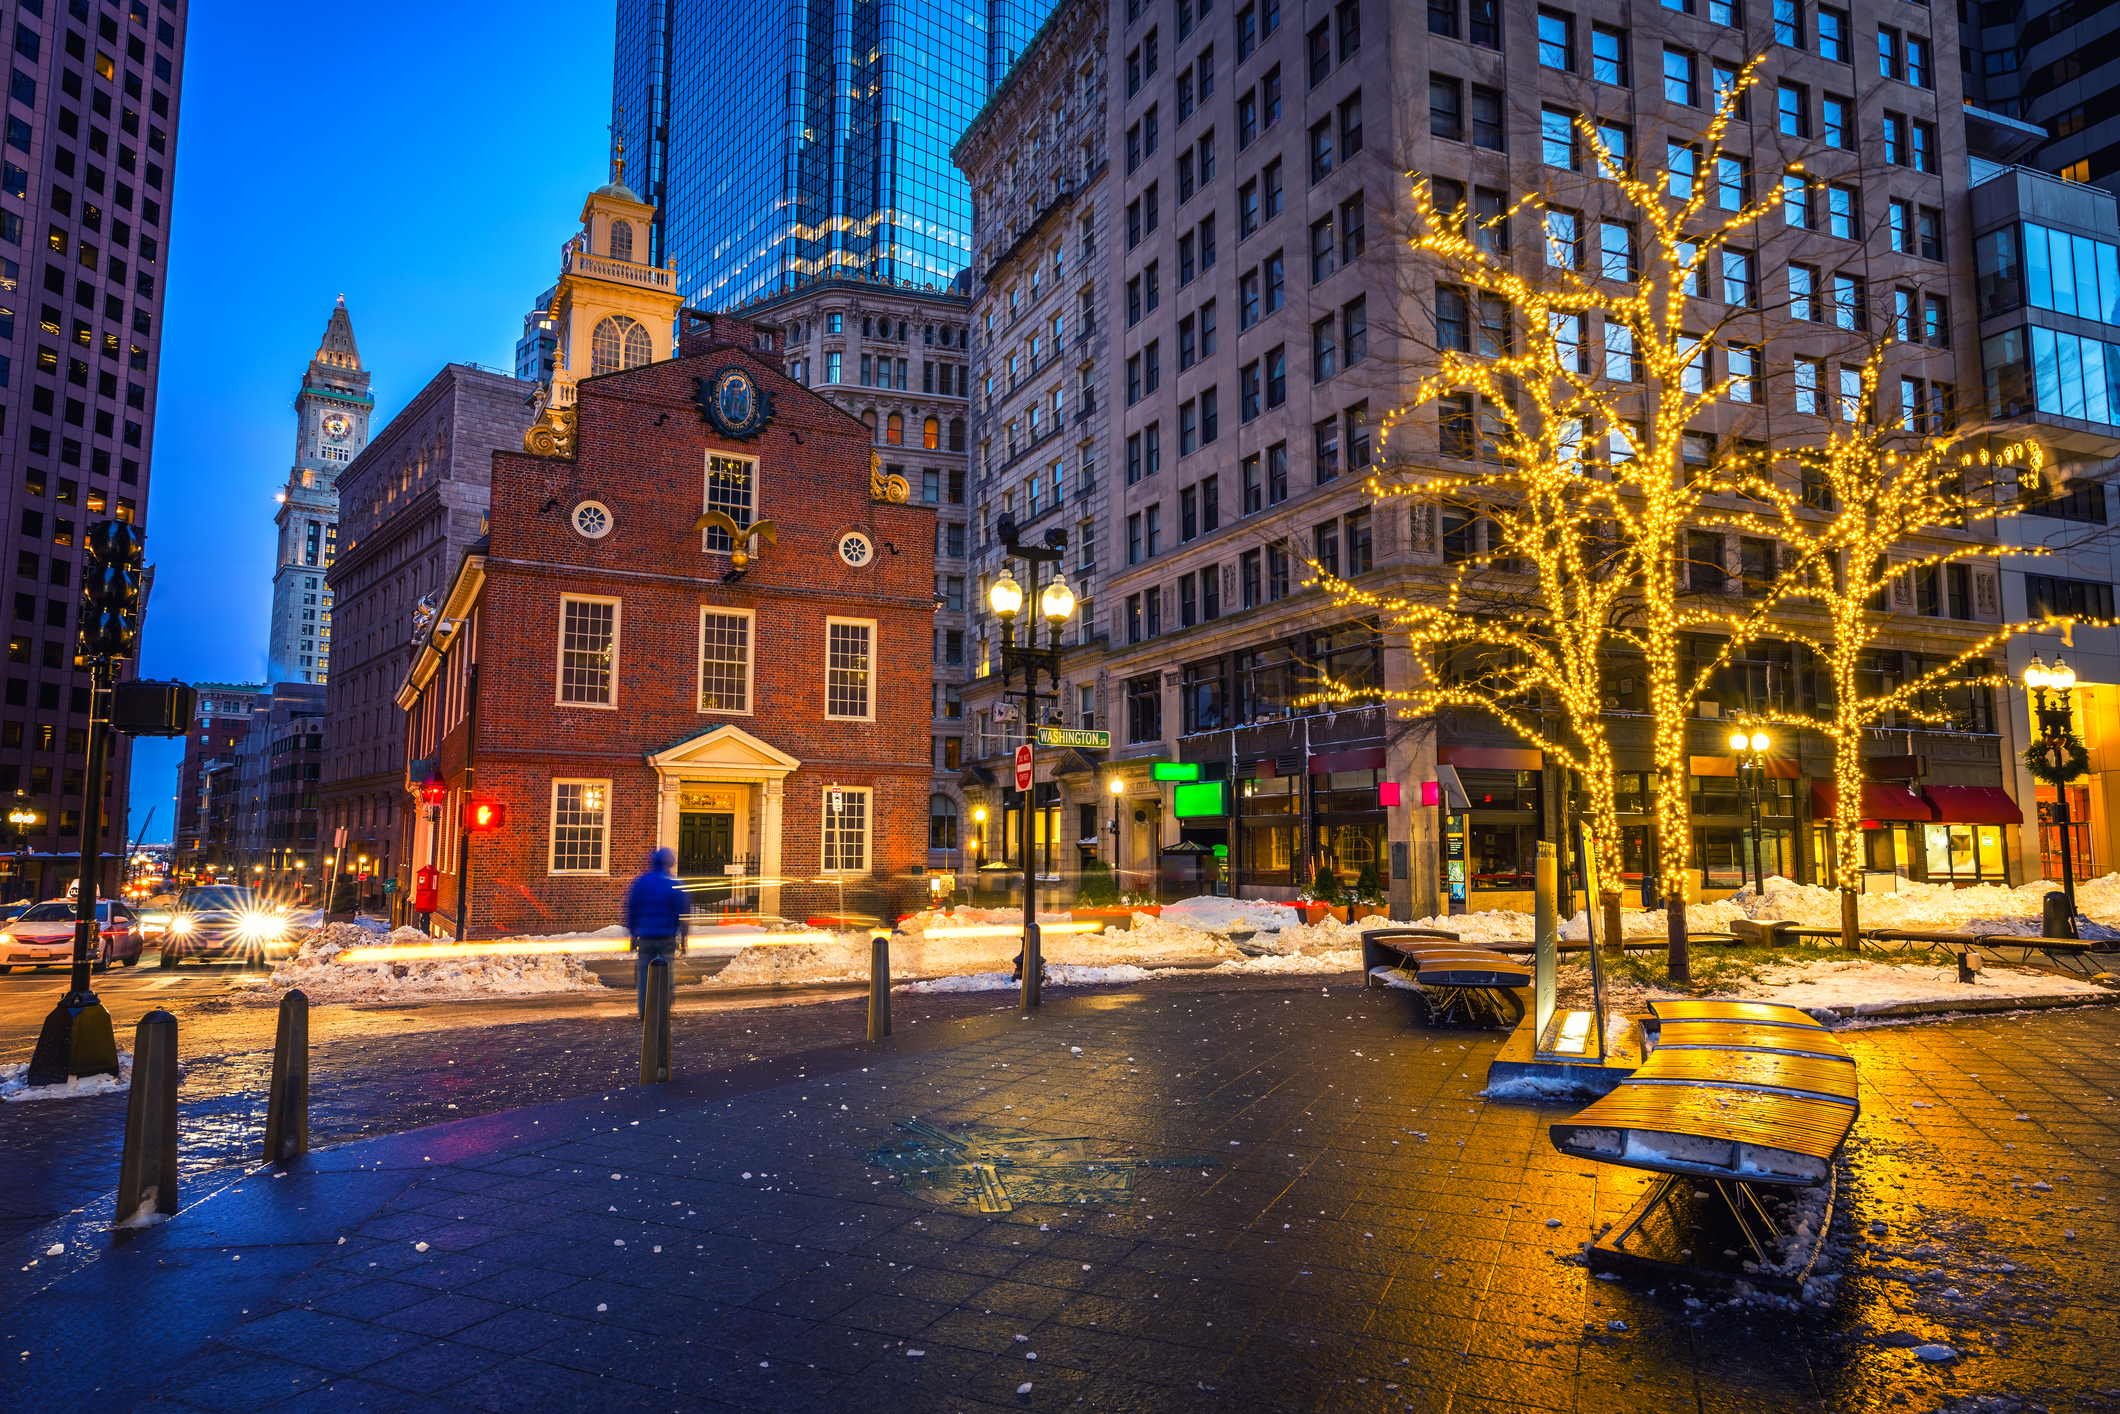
point(217, 732)
point(409, 504)
point(617, 681)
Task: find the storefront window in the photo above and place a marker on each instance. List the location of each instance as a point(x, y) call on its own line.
point(1956, 853)
point(2079, 813)
point(1504, 855)
point(1348, 848)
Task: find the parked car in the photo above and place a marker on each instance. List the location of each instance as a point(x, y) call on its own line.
point(224, 921)
point(44, 936)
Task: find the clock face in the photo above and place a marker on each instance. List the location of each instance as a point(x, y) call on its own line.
point(338, 426)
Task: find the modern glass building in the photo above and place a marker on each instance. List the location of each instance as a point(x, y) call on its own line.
point(780, 139)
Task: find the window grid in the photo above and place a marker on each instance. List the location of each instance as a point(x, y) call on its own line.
point(588, 643)
point(847, 669)
point(579, 810)
point(846, 832)
point(724, 662)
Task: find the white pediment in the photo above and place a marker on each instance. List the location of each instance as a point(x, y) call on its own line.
point(724, 752)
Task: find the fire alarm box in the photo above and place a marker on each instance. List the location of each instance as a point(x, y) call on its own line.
point(424, 893)
point(483, 817)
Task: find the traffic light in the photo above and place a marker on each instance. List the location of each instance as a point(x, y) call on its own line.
point(110, 591)
point(483, 817)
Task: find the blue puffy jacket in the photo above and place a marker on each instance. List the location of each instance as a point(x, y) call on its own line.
point(655, 906)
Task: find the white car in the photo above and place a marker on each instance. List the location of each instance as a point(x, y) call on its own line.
point(44, 936)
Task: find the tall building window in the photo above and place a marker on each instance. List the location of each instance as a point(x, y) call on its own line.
point(588, 650)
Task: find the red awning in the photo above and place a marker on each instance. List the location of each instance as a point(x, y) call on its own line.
point(1364, 758)
point(1879, 802)
point(1974, 805)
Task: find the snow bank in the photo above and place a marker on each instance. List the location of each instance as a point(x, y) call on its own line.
point(324, 978)
point(15, 1086)
point(1060, 975)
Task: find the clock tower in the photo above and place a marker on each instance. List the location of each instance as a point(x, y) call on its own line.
point(331, 426)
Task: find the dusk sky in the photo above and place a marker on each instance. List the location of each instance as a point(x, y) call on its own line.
point(424, 160)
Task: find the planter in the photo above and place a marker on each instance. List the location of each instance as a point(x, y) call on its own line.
point(1357, 912)
point(1337, 910)
point(1312, 912)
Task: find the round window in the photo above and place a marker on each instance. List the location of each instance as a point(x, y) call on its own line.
point(855, 549)
point(592, 520)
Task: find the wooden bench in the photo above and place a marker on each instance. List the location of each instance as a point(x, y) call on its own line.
point(2059, 951)
point(1458, 974)
point(1740, 1094)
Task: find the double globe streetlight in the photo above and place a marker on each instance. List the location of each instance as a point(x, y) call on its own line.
point(1056, 602)
point(1750, 748)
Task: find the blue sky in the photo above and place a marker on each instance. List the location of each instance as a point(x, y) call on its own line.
point(425, 160)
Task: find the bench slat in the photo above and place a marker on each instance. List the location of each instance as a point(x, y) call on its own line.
point(1692, 1009)
point(1748, 1035)
point(1810, 1075)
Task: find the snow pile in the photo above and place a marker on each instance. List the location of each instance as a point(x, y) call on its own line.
point(1056, 975)
point(15, 1086)
point(324, 978)
point(1221, 915)
point(1864, 986)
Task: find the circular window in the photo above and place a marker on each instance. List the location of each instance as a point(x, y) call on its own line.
point(592, 520)
point(855, 549)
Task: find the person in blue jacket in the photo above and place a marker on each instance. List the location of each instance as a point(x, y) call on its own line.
point(655, 918)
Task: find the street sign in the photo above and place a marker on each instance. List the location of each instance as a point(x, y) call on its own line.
point(839, 800)
point(1023, 767)
point(1075, 736)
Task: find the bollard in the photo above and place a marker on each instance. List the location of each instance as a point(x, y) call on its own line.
point(655, 1025)
point(879, 985)
point(1033, 968)
point(287, 1103)
point(147, 1173)
point(2058, 922)
point(1969, 964)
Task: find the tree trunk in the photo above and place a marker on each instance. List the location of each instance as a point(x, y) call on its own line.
point(1850, 920)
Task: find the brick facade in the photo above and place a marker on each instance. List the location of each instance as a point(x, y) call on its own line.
point(485, 697)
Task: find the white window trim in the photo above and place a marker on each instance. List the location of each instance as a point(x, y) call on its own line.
point(552, 827)
point(750, 665)
point(559, 650)
point(706, 483)
point(870, 625)
point(868, 828)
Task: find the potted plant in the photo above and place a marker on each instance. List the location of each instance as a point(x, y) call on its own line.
point(1368, 895)
point(1097, 898)
point(1325, 888)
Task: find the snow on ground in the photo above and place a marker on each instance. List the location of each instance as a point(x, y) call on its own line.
point(1837, 982)
point(15, 1087)
point(324, 978)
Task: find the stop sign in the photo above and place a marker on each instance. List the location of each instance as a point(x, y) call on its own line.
point(1023, 767)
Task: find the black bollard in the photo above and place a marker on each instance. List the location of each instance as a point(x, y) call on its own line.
point(879, 986)
point(287, 1104)
point(2058, 921)
point(655, 1025)
point(147, 1174)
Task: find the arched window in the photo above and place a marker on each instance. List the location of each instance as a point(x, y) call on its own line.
point(617, 342)
point(931, 434)
point(956, 434)
point(942, 822)
point(894, 430)
point(868, 420)
point(621, 240)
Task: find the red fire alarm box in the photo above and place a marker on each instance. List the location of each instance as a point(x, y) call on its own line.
point(423, 889)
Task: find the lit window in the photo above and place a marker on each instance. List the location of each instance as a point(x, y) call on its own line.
point(846, 832)
point(588, 650)
point(580, 810)
point(724, 662)
point(847, 668)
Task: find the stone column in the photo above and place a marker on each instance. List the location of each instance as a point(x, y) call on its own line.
point(769, 845)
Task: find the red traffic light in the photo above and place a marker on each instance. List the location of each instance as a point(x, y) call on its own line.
point(483, 817)
point(433, 791)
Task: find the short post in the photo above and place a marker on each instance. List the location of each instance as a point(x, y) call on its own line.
point(1969, 964)
point(287, 1103)
point(1033, 968)
point(2058, 920)
point(147, 1172)
point(655, 1025)
point(879, 985)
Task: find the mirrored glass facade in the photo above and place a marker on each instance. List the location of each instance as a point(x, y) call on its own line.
point(780, 139)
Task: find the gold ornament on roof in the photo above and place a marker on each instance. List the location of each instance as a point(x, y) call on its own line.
point(739, 535)
point(551, 436)
point(893, 488)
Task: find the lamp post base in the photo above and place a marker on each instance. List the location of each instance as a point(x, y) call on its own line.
point(76, 1040)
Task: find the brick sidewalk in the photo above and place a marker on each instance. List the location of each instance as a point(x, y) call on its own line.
point(1371, 1235)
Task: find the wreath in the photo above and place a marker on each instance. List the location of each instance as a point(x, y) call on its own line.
point(2074, 760)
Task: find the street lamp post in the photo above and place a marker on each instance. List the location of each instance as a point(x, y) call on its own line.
point(1118, 789)
point(1056, 603)
point(2058, 747)
point(1750, 749)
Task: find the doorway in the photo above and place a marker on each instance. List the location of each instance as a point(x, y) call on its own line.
point(706, 842)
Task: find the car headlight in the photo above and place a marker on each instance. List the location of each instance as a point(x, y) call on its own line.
point(180, 925)
point(260, 926)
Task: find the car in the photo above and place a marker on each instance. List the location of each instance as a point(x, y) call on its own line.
point(225, 921)
point(44, 936)
point(155, 913)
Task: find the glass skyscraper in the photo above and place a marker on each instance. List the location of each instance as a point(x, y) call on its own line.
point(783, 139)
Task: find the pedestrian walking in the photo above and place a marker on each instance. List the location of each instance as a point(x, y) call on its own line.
point(655, 919)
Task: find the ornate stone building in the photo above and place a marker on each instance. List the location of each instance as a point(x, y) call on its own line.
point(332, 410)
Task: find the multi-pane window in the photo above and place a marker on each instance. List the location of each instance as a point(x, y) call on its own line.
point(1681, 165)
point(1564, 240)
point(1616, 251)
point(1557, 138)
point(1681, 83)
point(846, 830)
point(1320, 150)
point(732, 489)
point(1796, 200)
point(1733, 185)
point(1621, 365)
point(1793, 107)
point(1809, 380)
point(1488, 129)
point(1737, 278)
point(1608, 55)
point(1803, 293)
point(1741, 362)
point(1616, 140)
point(580, 811)
point(1922, 146)
point(725, 659)
point(1446, 108)
point(1895, 139)
point(1788, 23)
point(1849, 311)
point(1556, 40)
point(1839, 121)
point(1843, 212)
point(1833, 35)
point(847, 668)
point(588, 646)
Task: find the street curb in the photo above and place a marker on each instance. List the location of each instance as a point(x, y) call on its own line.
point(1970, 1006)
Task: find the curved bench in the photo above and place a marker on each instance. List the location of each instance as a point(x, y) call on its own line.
point(1459, 974)
point(1737, 1093)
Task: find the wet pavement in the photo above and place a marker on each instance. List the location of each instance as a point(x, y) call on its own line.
point(1371, 1235)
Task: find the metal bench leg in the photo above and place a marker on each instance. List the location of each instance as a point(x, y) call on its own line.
point(1737, 1210)
point(1645, 1210)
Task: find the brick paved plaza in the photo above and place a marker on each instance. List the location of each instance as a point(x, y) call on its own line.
point(1371, 1234)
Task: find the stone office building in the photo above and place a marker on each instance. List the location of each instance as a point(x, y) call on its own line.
point(1268, 326)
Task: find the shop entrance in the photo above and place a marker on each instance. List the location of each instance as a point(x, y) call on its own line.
point(706, 842)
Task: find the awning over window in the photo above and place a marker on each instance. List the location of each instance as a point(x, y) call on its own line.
point(1879, 802)
point(1974, 805)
